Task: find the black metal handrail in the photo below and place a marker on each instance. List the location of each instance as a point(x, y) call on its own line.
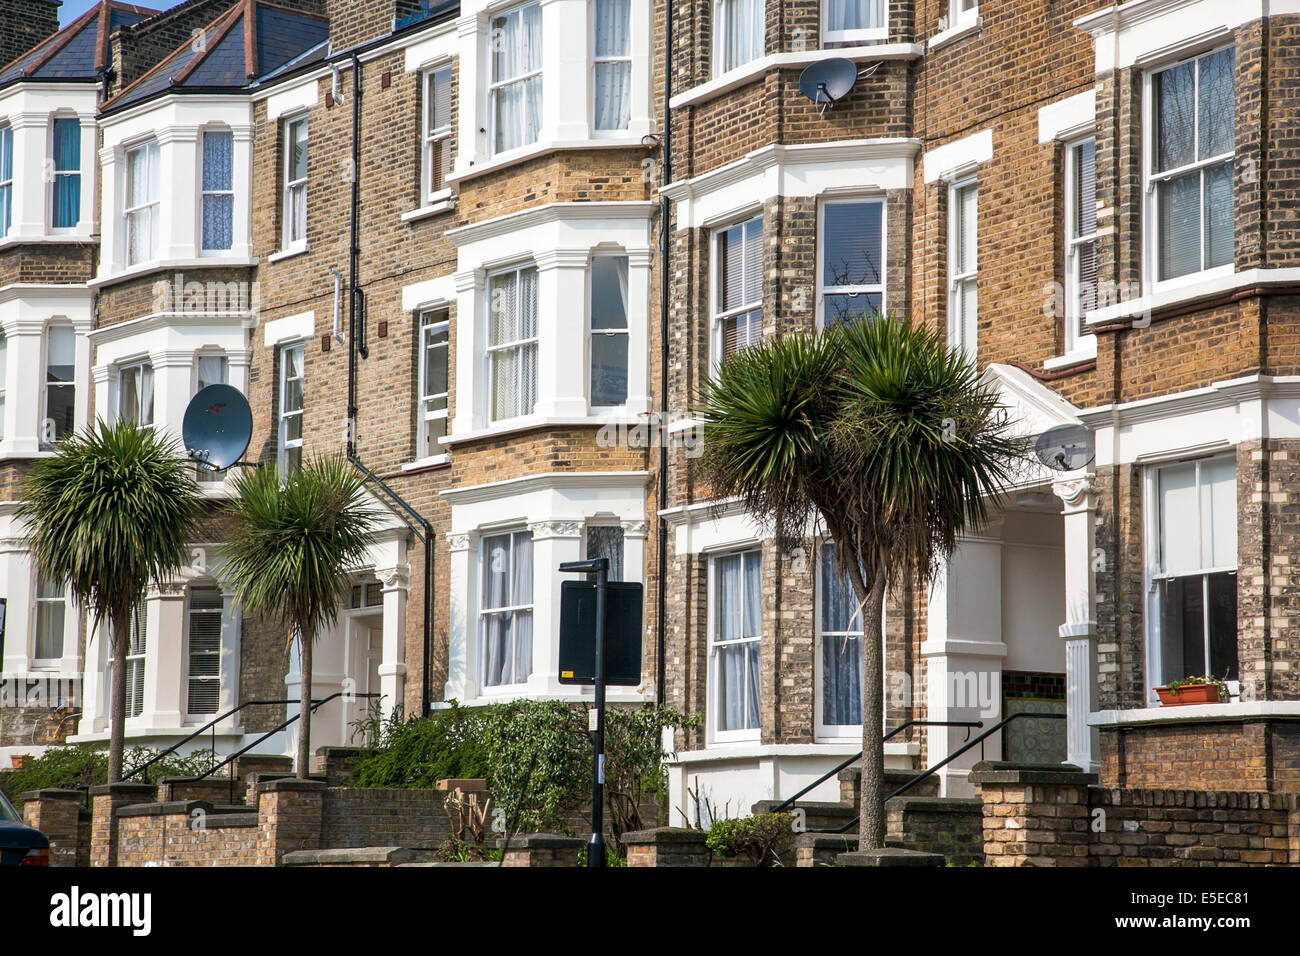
point(968, 724)
point(947, 760)
point(210, 724)
point(315, 706)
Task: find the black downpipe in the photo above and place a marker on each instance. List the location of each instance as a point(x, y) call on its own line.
point(425, 530)
point(661, 625)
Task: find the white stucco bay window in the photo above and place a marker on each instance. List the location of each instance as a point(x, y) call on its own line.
point(506, 543)
point(553, 74)
point(41, 619)
point(543, 297)
point(177, 174)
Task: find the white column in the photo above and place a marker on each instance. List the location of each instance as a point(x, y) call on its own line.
point(461, 672)
point(20, 611)
point(103, 406)
point(396, 586)
point(472, 38)
point(964, 652)
point(467, 388)
point(173, 384)
point(1079, 630)
point(95, 697)
point(164, 659)
point(25, 384)
point(31, 187)
point(81, 376)
point(566, 70)
point(553, 543)
point(111, 240)
point(638, 330)
point(231, 638)
point(87, 225)
point(178, 157)
point(642, 120)
point(561, 333)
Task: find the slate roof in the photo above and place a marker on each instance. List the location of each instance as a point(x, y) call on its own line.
point(80, 50)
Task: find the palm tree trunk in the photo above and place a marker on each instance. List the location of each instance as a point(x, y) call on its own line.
point(305, 641)
point(119, 628)
point(871, 812)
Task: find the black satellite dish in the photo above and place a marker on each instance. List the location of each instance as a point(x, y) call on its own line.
point(828, 81)
point(217, 427)
point(1065, 447)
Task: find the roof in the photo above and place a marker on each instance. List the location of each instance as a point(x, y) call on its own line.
point(252, 38)
point(80, 50)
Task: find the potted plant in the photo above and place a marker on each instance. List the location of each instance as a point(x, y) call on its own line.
point(1193, 690)
point(17, 760)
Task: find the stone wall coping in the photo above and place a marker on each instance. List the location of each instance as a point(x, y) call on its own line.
point(890, 856)
point(935, 804)
point(817, 806)
point(999, 771)
point(538, 841)
point(662, 835)
point(53, 793)
point(123, 789)
point(1221, 799)
point(224, 781)
point(391, 855)
point(1189, 713)
point(826, 841)
point(292, 785)
point(166, 808)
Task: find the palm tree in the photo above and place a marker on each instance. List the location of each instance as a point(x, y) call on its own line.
point(111, 511)
point(879, 431)
point(296, 537)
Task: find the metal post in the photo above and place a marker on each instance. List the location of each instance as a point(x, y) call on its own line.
point(596, 845)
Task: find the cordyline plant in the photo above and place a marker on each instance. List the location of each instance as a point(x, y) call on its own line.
point(112, 510)
point(296, 537)
point(884, 434)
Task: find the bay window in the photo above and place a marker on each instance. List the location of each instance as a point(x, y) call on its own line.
point(1193, 570)
point(431, 427)
point(210, 369)
point(60, 384)
point(135, 652)
point(437, 131)
point(203, 690)
point(738, 287)
point(516, 79)
point(1080, 238)
point(851, 246)
point(609, 330)
point(839, 640)
point(65, 205)
point(739, 30)
point(50, 607)
point(141, 211)
point(218, 198)
point(293, 211)
point(735, 637)
point(292, 374)
point(135, 394)
point(6, 179)
point(512, 343)
point(1192, 107)
point(506, 615)
point(963, 265)
point(612, 64)
point(854, 20)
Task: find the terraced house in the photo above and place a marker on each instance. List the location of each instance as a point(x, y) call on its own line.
point(491, 250)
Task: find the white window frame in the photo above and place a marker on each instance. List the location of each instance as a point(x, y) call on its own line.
point(424, 414)
point(1153, 572)
point(1075, 339)
point(721, 26)
point(485, 612)
point(434, 137)
point(517, 344)
point(7, 185)
point(287, 241)
point(962, 10)
point(825, 731)
point(47, 663)
point(1150, 179)
point(4, 380)
point(152, 206)
point(132, 660)
point(204, 475)
point(138, 366)
point(959, 335)
point(856, 34)
point(595, 60)
point(284, 444)
point(715, 734)
point(879, 288)
point(592, 332)
point(622, 543)
point(189, 677)
point(205, 193)
point(47, 384)
point(495, 84)
point(719, 316)
point(55, 173)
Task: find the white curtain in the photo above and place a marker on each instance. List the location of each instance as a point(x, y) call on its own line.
point(854, 14)
point(218, 180)
point(738, 582)
point(517, 45)
point(744, 25)
point(506, 652)
point(512, 317)
point(841, 630)
point(613, 78)
point(211, 370)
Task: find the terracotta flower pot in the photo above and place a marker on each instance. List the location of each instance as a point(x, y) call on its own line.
point(1189, 694)
point(17, 760)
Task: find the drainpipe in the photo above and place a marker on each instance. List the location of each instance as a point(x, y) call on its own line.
point(419, 525)
point(661, 625)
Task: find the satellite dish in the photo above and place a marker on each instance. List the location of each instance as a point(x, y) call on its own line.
point(828, 81)
point(1065, 447)
point(217, 427)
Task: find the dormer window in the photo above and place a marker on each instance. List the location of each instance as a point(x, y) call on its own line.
point(66, 196)
point(516, 83)
point(141, 205)
point(218, 190)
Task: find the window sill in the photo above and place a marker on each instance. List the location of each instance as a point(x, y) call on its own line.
point(159, 265)
point(533, 150)
point(431, 461)
point(964, 27)
point(868, 35)
point(1084, 352)
point(443, 203)
point(1203, 286)
point(511, 425)
point(1236, 710)
point(288, 253)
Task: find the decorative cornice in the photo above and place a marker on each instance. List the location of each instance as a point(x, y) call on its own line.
point(556, 529)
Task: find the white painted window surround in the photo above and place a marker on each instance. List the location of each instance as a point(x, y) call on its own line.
point(854, 20)
point(962, 19)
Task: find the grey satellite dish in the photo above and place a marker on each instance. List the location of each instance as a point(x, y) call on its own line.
point(1065, 447)
point(828, 81)
point(217, 427)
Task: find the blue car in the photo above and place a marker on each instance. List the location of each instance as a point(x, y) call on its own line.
point(20, 845)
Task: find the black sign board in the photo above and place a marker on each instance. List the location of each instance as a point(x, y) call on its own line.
point(622, 633)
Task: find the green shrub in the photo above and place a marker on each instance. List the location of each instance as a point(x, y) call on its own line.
point(417, 753)
point(763, 838)
point(85, 765)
